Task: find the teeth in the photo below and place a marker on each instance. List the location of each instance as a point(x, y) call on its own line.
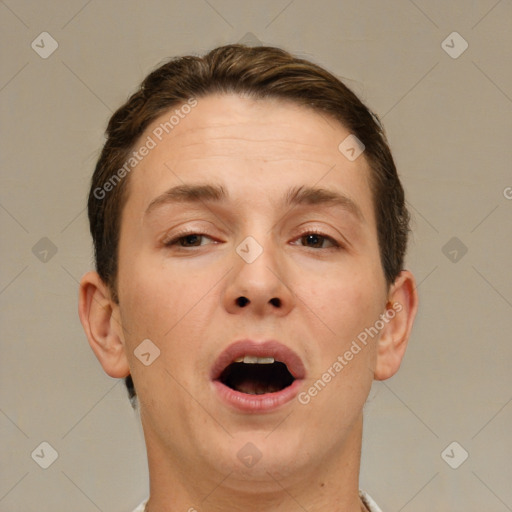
point(254, 360)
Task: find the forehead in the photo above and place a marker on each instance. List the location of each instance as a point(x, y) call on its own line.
point(269, 128)
point(246, 143)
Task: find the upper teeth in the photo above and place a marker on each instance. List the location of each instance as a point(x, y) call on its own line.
point(254, 360)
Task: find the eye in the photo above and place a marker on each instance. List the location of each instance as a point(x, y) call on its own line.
point(311, 239)
point(186, 240)
point(317, 239)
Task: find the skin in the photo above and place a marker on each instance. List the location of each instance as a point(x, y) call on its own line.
point(184, 300)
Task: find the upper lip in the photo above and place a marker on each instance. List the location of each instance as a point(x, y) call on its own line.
point(269, 348)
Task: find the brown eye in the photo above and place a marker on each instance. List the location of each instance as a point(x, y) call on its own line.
point(187, 240)
point(316, 240)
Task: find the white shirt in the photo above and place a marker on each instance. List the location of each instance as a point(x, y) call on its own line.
point(370, 504)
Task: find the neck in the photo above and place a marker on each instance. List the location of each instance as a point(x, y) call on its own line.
point(327, 484)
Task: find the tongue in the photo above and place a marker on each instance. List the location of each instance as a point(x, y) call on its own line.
point(251, 387)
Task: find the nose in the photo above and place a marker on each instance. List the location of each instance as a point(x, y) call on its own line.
point(260, 286)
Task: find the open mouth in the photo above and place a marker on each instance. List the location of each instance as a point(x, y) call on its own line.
point(256, 375)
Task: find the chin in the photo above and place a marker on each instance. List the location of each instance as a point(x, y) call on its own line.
point(261, 458)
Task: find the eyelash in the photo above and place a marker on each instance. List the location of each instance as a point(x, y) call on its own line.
point(184, 234)
point(335, 244)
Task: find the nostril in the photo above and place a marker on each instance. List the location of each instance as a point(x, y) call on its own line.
point(243, 301)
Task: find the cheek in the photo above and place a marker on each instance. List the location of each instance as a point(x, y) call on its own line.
point(345, 305)
point(149, 300)
point(166, 304)
point(345, 300)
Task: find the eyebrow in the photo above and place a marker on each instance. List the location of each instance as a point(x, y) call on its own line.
point(295, 196)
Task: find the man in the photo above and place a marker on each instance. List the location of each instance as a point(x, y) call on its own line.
point(249, 229)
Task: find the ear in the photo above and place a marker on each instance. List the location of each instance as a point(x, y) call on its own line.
point(100, 319)
point(401, 310)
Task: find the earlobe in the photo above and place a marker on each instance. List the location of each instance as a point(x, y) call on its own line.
point(402, 307)
point(98, 314)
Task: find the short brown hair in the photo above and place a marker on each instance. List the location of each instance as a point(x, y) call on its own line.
point(259, 72)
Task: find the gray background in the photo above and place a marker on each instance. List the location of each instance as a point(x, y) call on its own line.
point(449, 124)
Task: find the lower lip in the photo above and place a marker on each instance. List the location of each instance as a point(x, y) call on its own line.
point(257, 403)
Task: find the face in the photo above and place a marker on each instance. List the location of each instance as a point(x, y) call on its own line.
point(256, 266)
